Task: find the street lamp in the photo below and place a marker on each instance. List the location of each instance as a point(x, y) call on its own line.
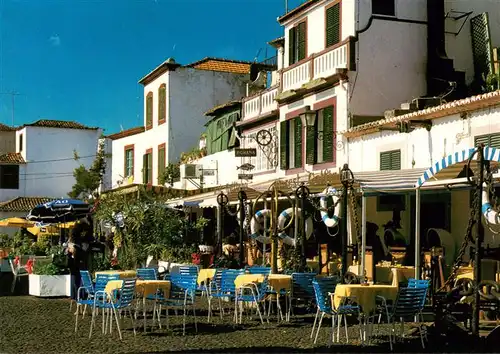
point(308, 118)
point(222, 200)
point(347, 179)
point(242, 197)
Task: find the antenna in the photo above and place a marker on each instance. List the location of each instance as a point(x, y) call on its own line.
point(121, 128)
point(257, 55)
point(286, 6)
point(12, 94)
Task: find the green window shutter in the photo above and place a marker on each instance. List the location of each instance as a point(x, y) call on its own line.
point(298, 142)
point(495, 140)
point(150, 168)
point(149, 110)
point(161, 162)
point(145, 168)
point(311, 148)
point(162, 104)
point(291, 46)
point(390, 160)
point(302, 40)
point(284, 145)
point(481, 46)
point(482, 139)
point(328, 137)
point(333, 25)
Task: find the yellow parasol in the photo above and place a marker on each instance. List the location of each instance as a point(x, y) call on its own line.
point(52, 229)
point(16, 222)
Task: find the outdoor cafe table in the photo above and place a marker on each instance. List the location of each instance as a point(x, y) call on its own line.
point(206, 275)
point(277, 282)
point(122, 273)
point(365, 296)
point(145, 287)
point(386, 274)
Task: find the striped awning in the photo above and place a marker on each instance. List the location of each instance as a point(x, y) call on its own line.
point(388, 181)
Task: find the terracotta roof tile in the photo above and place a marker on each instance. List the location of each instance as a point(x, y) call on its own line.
point(50, 123)
point(229, 104)
point(12, 158)
point(23, 204)
point(6, 128)
point(125, 133)
point(224, 65)
point(467, 104)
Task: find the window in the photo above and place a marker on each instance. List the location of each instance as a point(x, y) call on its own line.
point(147, 167)
point(321, 139)
point(129, 161)
point(492, 140)
point(297, 43)
point(162, 104)
point(291, 143)
point(332, 24)
point(9, 176)
point(220, 133)
point(384, 7)
point(390, 160)
point(149, 110)
point(20, 142)
point(264, 161)
point(161, 160)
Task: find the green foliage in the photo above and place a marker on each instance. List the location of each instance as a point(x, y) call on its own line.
point(150, 229)
point(171, 174)
point(102, 263)
point(6, 241)
point(227, 262)
point(201, 223)
point(48, 269)
point(292, 260)
point(492, 82)
point(88, 180)
point(192, 155)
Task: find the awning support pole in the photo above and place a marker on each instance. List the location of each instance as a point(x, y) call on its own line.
point(363, 236)
point(417, 233)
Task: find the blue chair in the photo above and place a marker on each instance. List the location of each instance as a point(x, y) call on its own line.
point(251, 293)
point(112, 304)
point(225, 289)
point(188, 270)
point(259, 270)
point(302, 288)
point(408, 305)
point(146, 274)
point(87, 292)
point(182, 295)
point(323, 289)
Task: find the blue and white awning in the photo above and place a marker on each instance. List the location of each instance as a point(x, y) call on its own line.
point(388, 181)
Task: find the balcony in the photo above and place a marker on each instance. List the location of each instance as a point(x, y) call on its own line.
point(260, 104)
point(320, 65)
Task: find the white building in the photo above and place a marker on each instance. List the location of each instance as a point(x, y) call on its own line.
point(41, 165)
point(175, 100)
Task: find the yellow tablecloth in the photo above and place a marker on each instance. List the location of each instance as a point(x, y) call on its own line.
point(146, 287)
point(276, 281)
point(385, 274)
point(206, 274)
point(122, 273)
point(247, 278)
point(365, 295)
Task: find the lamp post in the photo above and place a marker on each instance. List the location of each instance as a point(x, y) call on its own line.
point(302, 193)
point(347, 179)
point(242, 197)
point(222, 200)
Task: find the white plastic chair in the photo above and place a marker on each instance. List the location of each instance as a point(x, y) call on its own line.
point(17, 271)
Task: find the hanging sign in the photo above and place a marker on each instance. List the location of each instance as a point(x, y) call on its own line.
point(245, 152)
point(245, 176)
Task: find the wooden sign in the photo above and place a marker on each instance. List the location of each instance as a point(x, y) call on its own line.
point(245, 152)
point(245, 176)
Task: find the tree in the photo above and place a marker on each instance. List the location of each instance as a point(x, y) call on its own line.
point(89, 180)
point(171, 174)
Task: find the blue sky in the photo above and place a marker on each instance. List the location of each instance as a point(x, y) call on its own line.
point(81, 59)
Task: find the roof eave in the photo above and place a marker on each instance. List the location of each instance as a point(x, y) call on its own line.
point(297, 11)
point(157, 72)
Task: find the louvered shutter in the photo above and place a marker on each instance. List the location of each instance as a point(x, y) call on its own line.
point(284, 145)
point(302, 32)
point(149, 110)
point(328, 143)
point(291, 46)
point(162, 104)
point(298, 142)
point(161, 161)
point(333, 25)
point(483, 139)
point(311, 148)
point(145, 168)
point(396, 160)
point(495, 141)
point(481, 46)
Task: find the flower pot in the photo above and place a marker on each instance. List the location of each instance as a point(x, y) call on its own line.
point(50, 285)
point(206, 249)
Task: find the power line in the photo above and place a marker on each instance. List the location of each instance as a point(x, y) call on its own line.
point(64, 159)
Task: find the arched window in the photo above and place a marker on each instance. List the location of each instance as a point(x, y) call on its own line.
point(149, 110)
point(162, 104)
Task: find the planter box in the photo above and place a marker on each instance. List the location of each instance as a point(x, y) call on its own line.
point(50, 285)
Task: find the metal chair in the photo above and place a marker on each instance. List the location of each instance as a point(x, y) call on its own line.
point(225, 289)
point(146, 274)
point(250, 293)
point(18, 271)
point(302, 289)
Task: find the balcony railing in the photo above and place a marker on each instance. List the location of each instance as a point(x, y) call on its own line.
point(261, 103)
point(317, 66)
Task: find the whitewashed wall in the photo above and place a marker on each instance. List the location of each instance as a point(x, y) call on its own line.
point(459, 47)
point(391, 59)
point(49, 156)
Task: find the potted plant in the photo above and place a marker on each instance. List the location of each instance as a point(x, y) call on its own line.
point(51, 278)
